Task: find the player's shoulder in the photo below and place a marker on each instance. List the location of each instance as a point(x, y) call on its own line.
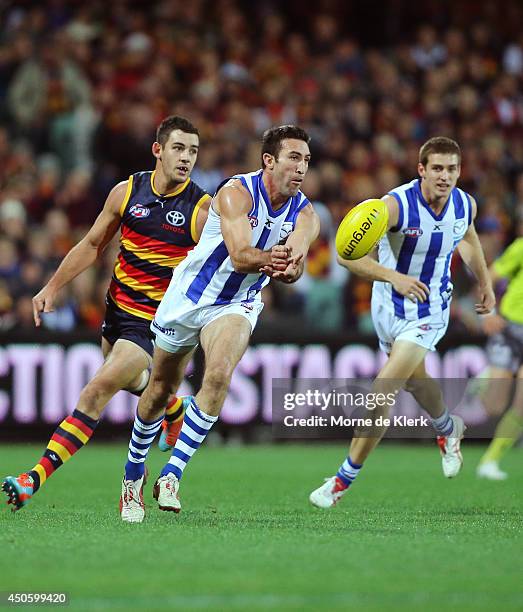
point(233, 193)
point(196, 192)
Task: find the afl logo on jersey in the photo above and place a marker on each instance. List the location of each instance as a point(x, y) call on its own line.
point(413, 232)
point(175, 217)
point(253, 221)
point(139, 211)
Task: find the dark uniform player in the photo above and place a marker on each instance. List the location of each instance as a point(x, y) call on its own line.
point(161, 215)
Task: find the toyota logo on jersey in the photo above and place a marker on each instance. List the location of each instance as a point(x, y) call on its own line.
point(175, 217)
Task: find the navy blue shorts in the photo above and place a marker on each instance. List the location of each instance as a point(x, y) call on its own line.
point(120, 325)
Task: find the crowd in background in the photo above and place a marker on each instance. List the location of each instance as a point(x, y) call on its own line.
point(83, 86)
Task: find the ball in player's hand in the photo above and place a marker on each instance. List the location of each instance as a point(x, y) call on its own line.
point(361, 229)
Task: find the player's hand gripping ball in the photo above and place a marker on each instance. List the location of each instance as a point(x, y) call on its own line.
point(361, 229)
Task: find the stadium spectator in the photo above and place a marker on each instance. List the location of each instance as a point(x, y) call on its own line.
point(82, 88)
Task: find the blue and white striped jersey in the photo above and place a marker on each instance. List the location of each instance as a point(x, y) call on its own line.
point(207, 276)
point(421, 245)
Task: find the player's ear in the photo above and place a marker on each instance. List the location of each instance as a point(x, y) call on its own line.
point(157, 150)
point(421, 169)
point(268, 160)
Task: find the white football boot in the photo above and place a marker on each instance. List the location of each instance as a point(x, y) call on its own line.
point(132, 508)
point(329, 493)
point(166, 492)
point(449, 446)
point(491, 471)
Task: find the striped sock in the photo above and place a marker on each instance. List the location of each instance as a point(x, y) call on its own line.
point(174, 410)
point(348, 472)
point(196, 425)
point(141, 439)
point(443, 424)
point(70, 436)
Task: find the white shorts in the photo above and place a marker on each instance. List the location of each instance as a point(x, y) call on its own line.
point(179, 321)
point(426, 332)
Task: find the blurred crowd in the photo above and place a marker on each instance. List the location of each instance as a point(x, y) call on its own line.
point(83, 85)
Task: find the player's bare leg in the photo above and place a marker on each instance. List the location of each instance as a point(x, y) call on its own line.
point(508, 431)
point(496, 394)
point(406, 361)
point(125, 366)
point(223, 341)
point(404, 358)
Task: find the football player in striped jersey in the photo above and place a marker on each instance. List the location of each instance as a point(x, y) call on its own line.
point(161, 215)
point(428, 218)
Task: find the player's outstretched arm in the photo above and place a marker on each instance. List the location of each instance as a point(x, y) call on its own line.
point(306, 230)
point(472, 254)
point(367, 267)
point(85, 253)
point(233, 204)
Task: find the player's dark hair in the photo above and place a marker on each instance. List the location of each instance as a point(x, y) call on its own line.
point(273, 137)
point(438, 144)
point(174, 122)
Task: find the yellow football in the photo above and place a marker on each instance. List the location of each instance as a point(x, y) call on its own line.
point(361, 229)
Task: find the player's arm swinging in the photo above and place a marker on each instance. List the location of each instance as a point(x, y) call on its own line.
point(85, 253)
point(367, 267)
point(472, 254)
point(233, 204)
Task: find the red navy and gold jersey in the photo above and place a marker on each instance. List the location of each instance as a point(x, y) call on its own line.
point(157, 233)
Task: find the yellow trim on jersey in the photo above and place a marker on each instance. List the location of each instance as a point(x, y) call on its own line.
point(60, 450)
point(78, 433)
point(178, 189)
point(127, 195)
point(41, 472)
point(137, 313)
point(195, 212)
point(150, 256)
point(148, 290)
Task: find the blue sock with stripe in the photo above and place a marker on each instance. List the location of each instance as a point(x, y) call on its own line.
point(141, 439)
point(196, 425)
point(443, 424)
point(348, 472)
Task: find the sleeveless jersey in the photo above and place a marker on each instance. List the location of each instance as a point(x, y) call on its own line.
point(157, 232)
point(421, 245)
point(207, 276)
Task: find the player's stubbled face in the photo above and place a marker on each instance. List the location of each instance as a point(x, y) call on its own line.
point(179, 155)
point(440, 174)
point(291, 166)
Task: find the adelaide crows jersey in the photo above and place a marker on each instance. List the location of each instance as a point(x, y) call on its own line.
point(157, 232)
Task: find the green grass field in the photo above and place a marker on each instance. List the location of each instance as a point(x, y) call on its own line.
point(404, 537)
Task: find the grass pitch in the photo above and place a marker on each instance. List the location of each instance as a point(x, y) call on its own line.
point(404, 537)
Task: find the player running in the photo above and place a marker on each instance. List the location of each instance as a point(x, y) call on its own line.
point(260, 226)
point(505, 354)
point(161, 215)
point(428, 218)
